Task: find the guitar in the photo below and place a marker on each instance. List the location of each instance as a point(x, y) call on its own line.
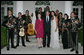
point(30, 30)
point(11, 23)
point(21, 33)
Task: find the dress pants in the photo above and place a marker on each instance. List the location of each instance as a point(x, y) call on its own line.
point(75, 40)
point(65, 39)
point(10, 35)
point(18, 40)
point(27, 37)
point(46, 35)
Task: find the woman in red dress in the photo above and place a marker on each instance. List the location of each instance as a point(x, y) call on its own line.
point(39, 30)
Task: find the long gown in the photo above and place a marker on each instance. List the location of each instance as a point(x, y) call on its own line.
point(54, 43)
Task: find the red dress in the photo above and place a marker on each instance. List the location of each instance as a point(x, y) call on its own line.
point(39, 28)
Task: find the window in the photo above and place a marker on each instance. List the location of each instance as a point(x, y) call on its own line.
point(78, 9)
point(7, 2)
point(2, 13)
point(5, 5)
point(42, 3)
point(78, 3)
point(82, 15)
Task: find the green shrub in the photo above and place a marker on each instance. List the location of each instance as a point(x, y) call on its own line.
point(3, 36)
point(80, 35)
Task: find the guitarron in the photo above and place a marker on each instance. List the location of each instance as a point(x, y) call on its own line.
point(30, 30)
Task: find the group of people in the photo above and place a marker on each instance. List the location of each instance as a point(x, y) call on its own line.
point(13, 25)
point(49, 25)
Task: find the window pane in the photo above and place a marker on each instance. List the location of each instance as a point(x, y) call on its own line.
point(2, 2)
point(73, 9)
point(2, 14)
point(77, 3)
point(42, 3)
point(9, 2)
point(82, 16)
point(76, 11)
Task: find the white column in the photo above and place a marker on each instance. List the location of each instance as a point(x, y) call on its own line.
point(14, 8)
point(19, 7)
point(68, 7)
point(5, 10)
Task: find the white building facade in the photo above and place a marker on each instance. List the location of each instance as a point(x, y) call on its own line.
point(21, 6)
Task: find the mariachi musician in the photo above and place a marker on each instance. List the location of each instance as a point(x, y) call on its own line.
point(10, 23)
point(28, 20)
point(20, 24)
point(74, 32)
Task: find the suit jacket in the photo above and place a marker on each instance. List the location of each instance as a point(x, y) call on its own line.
point(19, 23)
point(74, 27)
point(27, 20)
point(6, 19)
point(47, 26)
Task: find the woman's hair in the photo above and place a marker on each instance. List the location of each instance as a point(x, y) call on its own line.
point(38, 14)
point(54, 14)
point(40, 8)
point(60, 13)
point(66, 15)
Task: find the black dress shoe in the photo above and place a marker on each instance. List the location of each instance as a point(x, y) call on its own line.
point(43, 46)
point(72, 50)
point(17, 46)
point(76, 52)
point(65, 47)
point(8, 49)
point(13, 47)
point(48, 46)
point(27, 41)
point(24, 45)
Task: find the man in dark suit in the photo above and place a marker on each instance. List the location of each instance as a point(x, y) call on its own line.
point(27, 19)
point(47, 9)
point(10, 24)
point(20, 24)
point(74, 32)
point(47, 29)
